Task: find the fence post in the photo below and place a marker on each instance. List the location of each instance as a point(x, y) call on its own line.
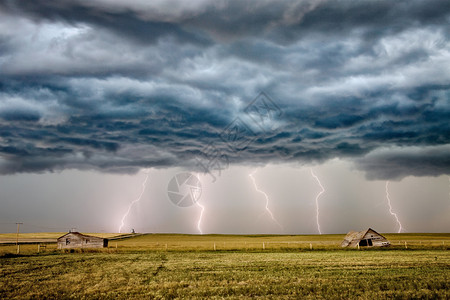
point(310, 246)
point(214, 246)
point(406, 246)
point(264, 246)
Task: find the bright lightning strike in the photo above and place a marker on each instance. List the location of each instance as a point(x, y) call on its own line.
point(199, 223)
point(317, 199)
point(390, 208)
point(267, 199)
point(134, 201)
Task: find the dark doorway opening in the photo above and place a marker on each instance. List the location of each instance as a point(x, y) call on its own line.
point(367, 242)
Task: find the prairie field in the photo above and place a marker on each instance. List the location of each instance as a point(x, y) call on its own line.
point(264, 266)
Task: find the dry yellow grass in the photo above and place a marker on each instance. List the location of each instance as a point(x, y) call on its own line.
point(235, 274)
point(141, 267)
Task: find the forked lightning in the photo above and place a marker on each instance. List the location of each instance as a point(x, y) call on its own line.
point(317, 199)
point(267, 199)
point(390, 208)
point(134, 201)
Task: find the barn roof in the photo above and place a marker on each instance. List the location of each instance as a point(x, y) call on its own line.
point(354, 237)
point(80, 234)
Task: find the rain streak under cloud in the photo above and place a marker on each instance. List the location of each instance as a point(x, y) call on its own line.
point(120, 86)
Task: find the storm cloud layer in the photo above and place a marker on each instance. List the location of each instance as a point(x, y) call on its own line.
point(122, 85)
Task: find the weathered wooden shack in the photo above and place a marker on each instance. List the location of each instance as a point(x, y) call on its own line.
point(77, 240)
point(365, 238)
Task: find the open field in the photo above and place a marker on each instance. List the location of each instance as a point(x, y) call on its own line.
point(184, 242)
point(271, 242)
point(345, 274)
point(141, 267)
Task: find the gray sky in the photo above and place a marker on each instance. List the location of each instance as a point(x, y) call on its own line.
point(92, 201)
point(93, 92)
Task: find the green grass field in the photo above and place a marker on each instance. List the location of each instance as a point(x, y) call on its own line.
point(141, 267)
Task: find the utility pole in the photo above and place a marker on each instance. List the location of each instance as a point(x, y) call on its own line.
point(17, 236)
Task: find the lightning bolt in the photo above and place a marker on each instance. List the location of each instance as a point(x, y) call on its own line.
point(390, 208)
point(317, 199)
point(199, 223)
point(267, 199)
point(134, 201)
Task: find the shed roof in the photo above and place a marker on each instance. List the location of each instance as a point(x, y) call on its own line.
point(80, 234)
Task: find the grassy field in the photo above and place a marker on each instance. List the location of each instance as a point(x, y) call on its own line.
point(140, 267)
point(183, 242)
point(271, 242)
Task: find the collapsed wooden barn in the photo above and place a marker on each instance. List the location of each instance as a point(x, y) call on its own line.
point(365, 238)
point(78, 240)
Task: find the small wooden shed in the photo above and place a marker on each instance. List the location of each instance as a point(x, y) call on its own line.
point(369, 238)
point(77, 240)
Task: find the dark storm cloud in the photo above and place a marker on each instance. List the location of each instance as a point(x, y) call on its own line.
point(125, 23)
point(121, 85)
point(391, 162)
